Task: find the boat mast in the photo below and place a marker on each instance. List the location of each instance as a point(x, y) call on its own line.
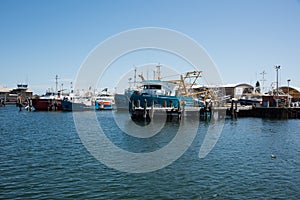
point(56, 82)
point(263, 80)
point(71, 87)
point(134, 78)
point(158, 71)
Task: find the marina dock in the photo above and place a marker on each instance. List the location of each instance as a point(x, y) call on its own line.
point(233, 112)
point(271, 112)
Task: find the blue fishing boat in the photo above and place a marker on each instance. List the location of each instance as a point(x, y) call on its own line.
point(156, 95)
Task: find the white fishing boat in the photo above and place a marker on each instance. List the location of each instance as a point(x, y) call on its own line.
point(104, 101)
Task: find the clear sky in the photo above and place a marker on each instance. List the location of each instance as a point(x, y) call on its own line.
point(42, 38)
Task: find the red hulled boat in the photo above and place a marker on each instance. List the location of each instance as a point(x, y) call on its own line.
point(48, 102)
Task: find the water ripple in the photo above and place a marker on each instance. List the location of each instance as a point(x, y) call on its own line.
point(42, 157)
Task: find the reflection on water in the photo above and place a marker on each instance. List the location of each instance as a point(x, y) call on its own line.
point(42, 157)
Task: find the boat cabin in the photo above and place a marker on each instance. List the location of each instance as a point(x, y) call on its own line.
point(157, 87)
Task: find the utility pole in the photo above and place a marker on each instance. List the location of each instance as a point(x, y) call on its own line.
point(277, 68)
point(288, 81)
point(263, 80)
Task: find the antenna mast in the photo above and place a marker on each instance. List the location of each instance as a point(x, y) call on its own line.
point(56, 83)
point(263, 80)
point(158, 71)
point(134, 78)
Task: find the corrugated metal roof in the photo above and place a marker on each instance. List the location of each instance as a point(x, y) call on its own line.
point(4, 89)
point(224, 86)
point(291, 87)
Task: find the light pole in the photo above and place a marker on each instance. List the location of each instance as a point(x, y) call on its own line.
point(288, 81)
point(277, 68)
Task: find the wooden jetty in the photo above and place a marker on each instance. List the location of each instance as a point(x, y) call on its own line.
point(142, 112)
point(271, 112)
point(205, 113)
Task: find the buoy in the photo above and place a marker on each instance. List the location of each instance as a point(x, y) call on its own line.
point(273, 156)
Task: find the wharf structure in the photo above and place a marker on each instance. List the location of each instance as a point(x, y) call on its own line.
point(205, 100)
point(285, 105)
point(271, 112)
point(288, 106)
point(11, 95)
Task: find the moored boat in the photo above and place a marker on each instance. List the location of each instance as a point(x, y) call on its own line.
point(172, 97)
point(250, 99)
point(155, 95)
point(51, 101)
point(69, 105)
point(104, 101)
point(122, 100)
point(48, 102)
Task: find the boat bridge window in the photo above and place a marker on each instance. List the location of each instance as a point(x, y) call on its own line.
point(156, 87)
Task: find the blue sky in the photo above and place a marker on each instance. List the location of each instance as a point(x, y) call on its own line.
point(42, 38)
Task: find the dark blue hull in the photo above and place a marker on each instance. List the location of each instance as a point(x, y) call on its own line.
point(247, 102)
point(70, 106)
point(140, 105)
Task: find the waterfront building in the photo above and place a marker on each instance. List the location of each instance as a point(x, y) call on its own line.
point(237, 90)
point(231, 90)
point(294, 92)
point(10, 95)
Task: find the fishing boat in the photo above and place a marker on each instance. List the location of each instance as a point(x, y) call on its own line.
point(79, 101)
point(250, 99)
point(48, 102)
point(122, 100)
point(157, 96)
point(171, 98)
point(104, 101)
point(73, 105)
point(51, 100)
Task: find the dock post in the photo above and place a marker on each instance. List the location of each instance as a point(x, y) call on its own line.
point(138, 103)
point(207, 110)
point(145, 108)
point(152, 109)
point(178, 110)
point(19, 103)
point(235, 109)
point(132, 105)
point(4, 102)
point(232, 109)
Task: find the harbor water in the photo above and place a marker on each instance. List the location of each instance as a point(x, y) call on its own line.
point(43, 157)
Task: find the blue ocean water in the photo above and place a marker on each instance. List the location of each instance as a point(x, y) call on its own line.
point(42, 157)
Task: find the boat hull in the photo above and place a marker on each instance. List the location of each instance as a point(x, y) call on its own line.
point(122, 101)
point(248, 102)
point(104, 105)
point(47, 104)
point(71, 106)
point(141, 104)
